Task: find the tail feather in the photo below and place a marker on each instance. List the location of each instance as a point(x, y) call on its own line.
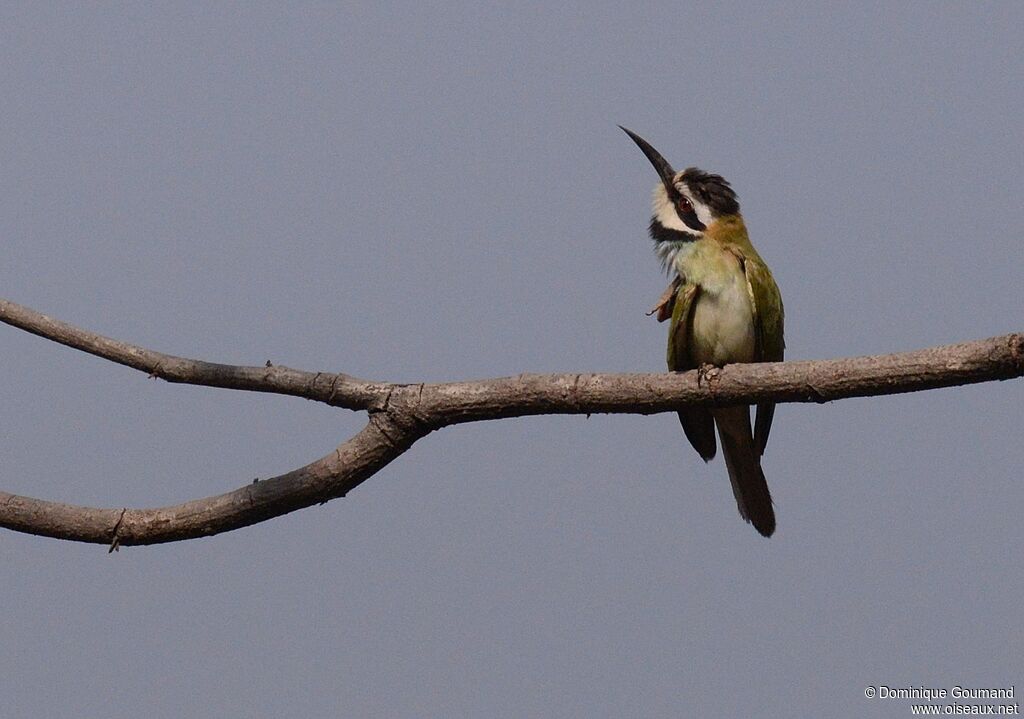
point(699, 426)
point(744, 465)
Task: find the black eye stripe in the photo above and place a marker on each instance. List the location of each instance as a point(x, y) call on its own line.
point(687, 213)
point(690, 220)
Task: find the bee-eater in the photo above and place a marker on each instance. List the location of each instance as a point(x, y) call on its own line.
point(725, 307)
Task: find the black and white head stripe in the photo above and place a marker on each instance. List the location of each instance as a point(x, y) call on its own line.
point(710, 190)
point(671, 229)
point(684, 207)
point(673, 210)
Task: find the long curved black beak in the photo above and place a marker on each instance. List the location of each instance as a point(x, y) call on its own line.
point(665, 171)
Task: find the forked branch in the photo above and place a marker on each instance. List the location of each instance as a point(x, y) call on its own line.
point(400, 414)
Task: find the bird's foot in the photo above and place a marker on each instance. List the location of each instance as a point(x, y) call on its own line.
point(707, 373)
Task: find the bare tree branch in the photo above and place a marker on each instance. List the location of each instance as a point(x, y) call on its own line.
point(400, 414)
point(339, 390)
point(998, 358)
point(327, 478)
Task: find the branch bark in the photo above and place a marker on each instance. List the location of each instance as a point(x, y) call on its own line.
point(339, 390)
point(400, 414)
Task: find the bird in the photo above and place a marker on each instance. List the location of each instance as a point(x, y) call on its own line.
point(724, 308)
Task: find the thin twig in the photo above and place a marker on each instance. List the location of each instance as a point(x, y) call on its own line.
point(337, 390)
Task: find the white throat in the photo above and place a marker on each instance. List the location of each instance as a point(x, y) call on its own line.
point(668, 252)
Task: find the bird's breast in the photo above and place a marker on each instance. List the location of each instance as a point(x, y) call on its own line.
point(723, 318)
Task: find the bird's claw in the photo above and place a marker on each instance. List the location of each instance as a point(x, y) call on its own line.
point(707, 373)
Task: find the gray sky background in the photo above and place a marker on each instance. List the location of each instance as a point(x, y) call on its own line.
point(416, 192)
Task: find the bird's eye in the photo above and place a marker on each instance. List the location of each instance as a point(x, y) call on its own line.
point(684, 205)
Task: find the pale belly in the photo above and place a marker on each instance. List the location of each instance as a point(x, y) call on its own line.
point(723, 327)
point(723, 318)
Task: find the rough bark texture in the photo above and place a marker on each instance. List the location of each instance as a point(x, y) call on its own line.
point(400, 414)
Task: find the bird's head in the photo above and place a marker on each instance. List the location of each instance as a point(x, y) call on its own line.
point(686, 203)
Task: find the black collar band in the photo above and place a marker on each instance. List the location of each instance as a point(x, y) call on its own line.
point(660, 233)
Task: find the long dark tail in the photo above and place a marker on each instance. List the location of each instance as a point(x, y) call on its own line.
point(741, 457)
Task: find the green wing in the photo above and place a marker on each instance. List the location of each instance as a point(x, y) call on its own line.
point(768, 327)
point(679, 329)
point(698, 423)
